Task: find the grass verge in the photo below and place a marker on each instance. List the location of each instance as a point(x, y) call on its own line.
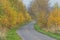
point(54, 35)
point(12, 35)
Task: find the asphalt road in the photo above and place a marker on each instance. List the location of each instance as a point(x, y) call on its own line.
point(27, 32)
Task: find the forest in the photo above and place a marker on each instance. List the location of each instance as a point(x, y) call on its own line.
point(14, 13)
point(48, 18)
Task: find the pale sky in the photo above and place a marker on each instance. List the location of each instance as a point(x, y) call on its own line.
point(27, 2)
point(52, 2)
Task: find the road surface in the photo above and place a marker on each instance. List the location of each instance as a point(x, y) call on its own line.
point(27, 32)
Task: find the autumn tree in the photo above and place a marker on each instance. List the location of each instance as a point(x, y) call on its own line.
point(40, 10)
point(54, 19)
point(12, 13)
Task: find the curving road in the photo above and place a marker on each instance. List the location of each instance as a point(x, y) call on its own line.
point(27, 32)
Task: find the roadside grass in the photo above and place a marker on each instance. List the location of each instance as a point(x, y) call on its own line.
point(12, 35)
point(54, 35)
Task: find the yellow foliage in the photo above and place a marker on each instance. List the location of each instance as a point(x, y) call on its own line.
point(54, 17)
point(13, 14)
